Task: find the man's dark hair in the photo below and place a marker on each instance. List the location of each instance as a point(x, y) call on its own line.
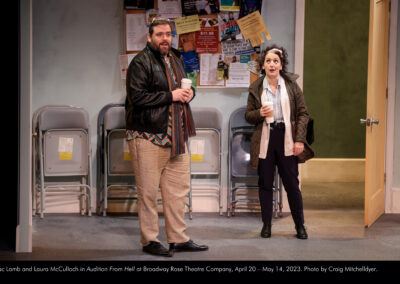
point(157, 22)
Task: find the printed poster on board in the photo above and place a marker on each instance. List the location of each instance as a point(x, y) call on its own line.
point(228, 27)
point(207, 39)
point(230, 5)
point(200, 7)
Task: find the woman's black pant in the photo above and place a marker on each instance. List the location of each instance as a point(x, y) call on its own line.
point(288, 171)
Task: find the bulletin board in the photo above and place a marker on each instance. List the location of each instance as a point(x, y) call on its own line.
point(219, 40)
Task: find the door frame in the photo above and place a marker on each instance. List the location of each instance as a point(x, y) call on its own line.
point(390, 123)
point(24, 226)
point(299, 41)
point(389, 155)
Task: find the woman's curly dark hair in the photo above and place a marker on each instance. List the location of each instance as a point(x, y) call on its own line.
point(283, 57)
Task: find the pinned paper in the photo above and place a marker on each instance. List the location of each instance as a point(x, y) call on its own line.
point(238, 75)
point(228, 26)
point(245, 58)
point(193, 76)
point(229, 5)
point(65, 146)
point(237, 47)
point(252, 26)
point(187, 42)
point(150, 15)
point(124, 61)
point(196, 150)
point(252, 66)
point(191, 60)
point(207, 38)
point(127, 155)
point(208, 69)
point(170, 9)
point(136, 31)
point(187, 24)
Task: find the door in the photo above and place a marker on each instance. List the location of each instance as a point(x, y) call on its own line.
point(376, 111)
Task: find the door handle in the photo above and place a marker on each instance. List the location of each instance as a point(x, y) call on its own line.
point(369, 121)
point(374, 121)
point(365, 121)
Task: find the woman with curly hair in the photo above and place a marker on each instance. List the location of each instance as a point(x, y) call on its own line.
point(279, 137)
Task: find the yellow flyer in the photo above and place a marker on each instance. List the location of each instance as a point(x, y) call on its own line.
point(252, 26)
point(187, 24)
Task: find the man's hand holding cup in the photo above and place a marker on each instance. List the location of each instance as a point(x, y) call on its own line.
point(185, 93)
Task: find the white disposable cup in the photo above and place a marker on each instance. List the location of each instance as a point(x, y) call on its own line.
point(186, 83)
point(269, 119)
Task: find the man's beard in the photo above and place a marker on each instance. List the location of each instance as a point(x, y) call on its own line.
point(163, 51)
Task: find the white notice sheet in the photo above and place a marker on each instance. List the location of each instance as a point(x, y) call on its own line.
point(65, 144)
point(239, 76)
point(208, 70)
point(170, 9)
point(136, 31)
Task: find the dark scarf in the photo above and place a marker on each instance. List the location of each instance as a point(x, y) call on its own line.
point(179, 135)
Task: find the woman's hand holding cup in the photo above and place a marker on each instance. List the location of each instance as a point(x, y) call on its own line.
point(267, 111)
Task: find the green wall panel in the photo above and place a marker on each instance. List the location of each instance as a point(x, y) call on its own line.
point(335, 75)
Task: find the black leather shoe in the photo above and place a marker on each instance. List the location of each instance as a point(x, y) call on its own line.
point(301, 232)
point(266, 231)
point(188, 246)
point(156, 248)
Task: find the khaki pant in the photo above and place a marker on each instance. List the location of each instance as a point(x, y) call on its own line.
point(153, 169)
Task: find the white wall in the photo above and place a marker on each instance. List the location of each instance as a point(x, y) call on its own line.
point(280, 18)
point(76, 45)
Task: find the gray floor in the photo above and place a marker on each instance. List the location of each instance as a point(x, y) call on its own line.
point(334, 219)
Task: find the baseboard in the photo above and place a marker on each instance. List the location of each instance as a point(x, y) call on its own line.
point(314, 170)
point(333, 170)
point(23, 239)
point(61, 203)
point(205, 200)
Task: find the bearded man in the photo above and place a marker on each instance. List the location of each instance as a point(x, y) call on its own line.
point(158, 124)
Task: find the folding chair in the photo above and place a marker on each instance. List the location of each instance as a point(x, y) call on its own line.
point(114, 167)
point(115, 157)
point(35, 156)
point(62, 152)
point(205, 150)
point(240, 174)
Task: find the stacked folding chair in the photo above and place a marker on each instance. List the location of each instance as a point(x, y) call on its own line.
point(116, 171)
point(61, 155)
point(205, 151)
point(115, 177)
point(240, 174)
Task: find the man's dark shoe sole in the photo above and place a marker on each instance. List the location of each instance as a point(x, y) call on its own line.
point(188, 246)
